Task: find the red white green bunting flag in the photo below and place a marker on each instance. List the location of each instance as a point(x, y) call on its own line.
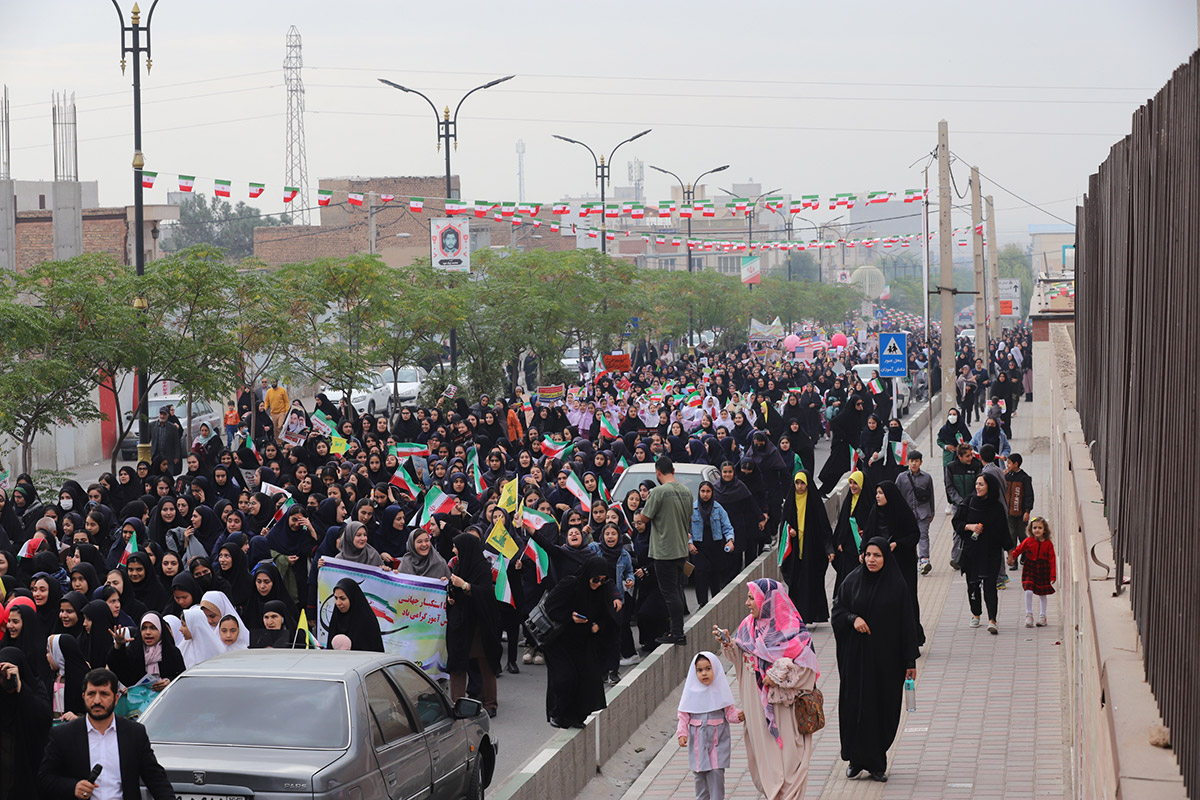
point(913, 195)
point(739, 205)
point(666, 208)
point(575, 486)
point(608, 427)
point(507, 209)
point(638, 211)
point(773, 203)
point(593, 233)
point(455, 207)
point(627, 207)
point(561, 208)
point(256, 189)
point(187, 183)
point(386, 198)
point(324, 196)
point(610, 236)
point(685, 211)
point(221, 188)
point(355, 198)
point(148, 179)
point(611, 211)
point(878, 197)
point(709, 210)
point(416, 204)
point(289, 193)
point(482, 207)
point(529, 208)
point(842, 200)
point(811, 201)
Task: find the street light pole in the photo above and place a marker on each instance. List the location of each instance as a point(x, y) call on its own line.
point(131, 45)
point(689, 191)
point(602, 172)
point(447, 131)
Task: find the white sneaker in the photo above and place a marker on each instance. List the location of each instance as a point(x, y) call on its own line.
point(949, 509)
point(629, 661)
point(974, 623)
point(1041, 623)
point(1029, 620)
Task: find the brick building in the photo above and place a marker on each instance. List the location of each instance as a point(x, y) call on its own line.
point(401, 236)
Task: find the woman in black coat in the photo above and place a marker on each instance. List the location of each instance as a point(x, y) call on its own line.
point(353, 618)
point(808, 548)
point(846, 427)
point(876, 651)
point(893, 521)
point(852, 518)
point(981, 524)
point(472, 621)
point(579, 604)
point(745, 514)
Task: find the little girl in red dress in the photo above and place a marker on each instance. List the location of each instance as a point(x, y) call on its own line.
point(1040, 569)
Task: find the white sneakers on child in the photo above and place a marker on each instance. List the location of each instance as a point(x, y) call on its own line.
point(1029, 620)
point(1041, 623)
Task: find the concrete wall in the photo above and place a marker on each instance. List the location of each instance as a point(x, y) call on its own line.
point(1111, 711)
point(8, 226)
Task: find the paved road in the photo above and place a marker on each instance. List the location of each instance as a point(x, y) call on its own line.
point(989, 719)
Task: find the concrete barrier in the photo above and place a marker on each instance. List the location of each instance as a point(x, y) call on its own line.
point(571, 758)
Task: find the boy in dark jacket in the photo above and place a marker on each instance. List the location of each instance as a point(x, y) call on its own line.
point(961, 473)
point(1018, 498)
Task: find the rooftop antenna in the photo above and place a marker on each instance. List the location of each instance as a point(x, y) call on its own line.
point(297, 160)
point(66, 142)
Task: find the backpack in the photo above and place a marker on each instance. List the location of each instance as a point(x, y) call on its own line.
point(540, 627)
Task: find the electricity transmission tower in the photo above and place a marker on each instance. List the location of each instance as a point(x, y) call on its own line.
point(297, 160)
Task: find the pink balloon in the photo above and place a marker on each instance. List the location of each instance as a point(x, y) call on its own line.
point(791, 341)
point(838, 340)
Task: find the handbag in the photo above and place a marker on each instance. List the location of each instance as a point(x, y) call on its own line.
point(540, 627)
point(956, 551)
point(810, 711)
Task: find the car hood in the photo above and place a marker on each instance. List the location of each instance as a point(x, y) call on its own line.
point(260, 769)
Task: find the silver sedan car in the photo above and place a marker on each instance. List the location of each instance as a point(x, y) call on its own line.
point(318, 725)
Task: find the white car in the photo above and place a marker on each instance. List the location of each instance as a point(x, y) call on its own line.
point(690, 475)
point(407, 388)
point(367, 396)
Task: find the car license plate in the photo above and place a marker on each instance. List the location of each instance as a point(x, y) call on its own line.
point(211, 797)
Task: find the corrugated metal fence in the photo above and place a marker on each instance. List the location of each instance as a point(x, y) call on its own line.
point(1138, 344)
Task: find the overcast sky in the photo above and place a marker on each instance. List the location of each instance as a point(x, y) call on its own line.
point(814, 98)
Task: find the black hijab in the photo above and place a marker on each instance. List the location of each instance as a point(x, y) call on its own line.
point(257, 604)
point(238, 574)
point(96, 644)
point(184, 582)
point(77, 601)
point(149, 590)
point(359, 622)
point(89, 574)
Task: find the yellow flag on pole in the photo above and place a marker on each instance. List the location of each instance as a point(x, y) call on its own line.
point(501, 541)
point(508, 497)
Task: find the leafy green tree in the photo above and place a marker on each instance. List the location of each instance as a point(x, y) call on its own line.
point(221, 224)
point(44, 382)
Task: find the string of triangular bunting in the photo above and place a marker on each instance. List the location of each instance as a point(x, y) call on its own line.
point(526, 213)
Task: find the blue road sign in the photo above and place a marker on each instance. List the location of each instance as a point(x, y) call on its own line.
point(880, 313)
point(893, 355)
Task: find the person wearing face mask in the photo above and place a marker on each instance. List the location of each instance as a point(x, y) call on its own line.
point(896, 444)
point(991, 434)
point(953, 433)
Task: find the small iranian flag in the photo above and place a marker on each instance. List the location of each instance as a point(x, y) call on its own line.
point(414, 203)
point(853, 457)
point(593, 233)
point(561, 208)
point(436, 502)
point(386, 198)
point(405, 482)
point(785, 545)
point(876, 386)
point(739, 205)
point(773, 203)
point(878, 197)
point(30, 547)
point(256, 189)
point(534, 520)
point(665, 208)
point(355, 198)
point(855, 532)
point(283, 510)
point(811, 201)
point(899, 452)
point(608, 427)
point(411, 449)
point(685, 211)
point(611, 211)
point(531, 209)
point(221, 187)
point(709, 210)
point(575, 487)
point(842, 200)
point(555, 449)
point(694, 399)
point(507, 209)
point(130, 548)
point(324, 196)
point(187, 183)
point(555, 227)
point(913, 195)
point(252, 448)
point(503, 590)
point(539, 557)
point(289, 193)
point(481, 208)
point(148, 179)
point(621, 466)
point(455, 207)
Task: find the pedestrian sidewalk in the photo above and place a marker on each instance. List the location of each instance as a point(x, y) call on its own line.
point(989, 721)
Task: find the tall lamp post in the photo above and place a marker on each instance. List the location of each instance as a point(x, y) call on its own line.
point(447, 131)
point(602, 169)
point(689, 191)
point(131, 45)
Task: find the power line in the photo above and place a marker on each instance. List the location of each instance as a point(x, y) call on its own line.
point(921, 131)
point(1022, 199)
point(161, 86)
point(164, 130)
point(607, 78)
point(169, 99)
point(804, 98)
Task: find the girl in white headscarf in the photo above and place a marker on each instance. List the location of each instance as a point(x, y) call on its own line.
point(202, 640)
point(705, 711)
point(225, 608)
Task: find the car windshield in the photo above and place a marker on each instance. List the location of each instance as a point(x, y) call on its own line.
point(251, 712)
point(409, 375)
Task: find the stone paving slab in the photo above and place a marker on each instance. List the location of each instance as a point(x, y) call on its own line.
point(989, 719)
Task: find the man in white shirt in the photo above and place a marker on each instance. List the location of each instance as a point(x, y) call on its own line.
point(120, 747)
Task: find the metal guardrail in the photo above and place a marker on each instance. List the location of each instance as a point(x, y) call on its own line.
point(1138, 293)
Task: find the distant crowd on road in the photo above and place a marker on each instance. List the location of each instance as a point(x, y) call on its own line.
point(190, 555)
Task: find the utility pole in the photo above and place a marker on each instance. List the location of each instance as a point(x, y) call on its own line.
point(946, 259)
point(981, 330)
point(993, 265)
point(371, 223)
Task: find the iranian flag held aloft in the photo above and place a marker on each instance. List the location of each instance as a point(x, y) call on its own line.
point(539, 557)
point(556, 449)
point(411, 449)
point(575, 486)
point(876, 386)
point(131, 547)
point(608, 427)
point(899, 452)
point(405, 482)
point(436, 502)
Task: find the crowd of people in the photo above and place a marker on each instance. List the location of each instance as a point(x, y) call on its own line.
point(216, 547)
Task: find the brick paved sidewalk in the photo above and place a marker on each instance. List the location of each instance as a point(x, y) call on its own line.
point(989, 719)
